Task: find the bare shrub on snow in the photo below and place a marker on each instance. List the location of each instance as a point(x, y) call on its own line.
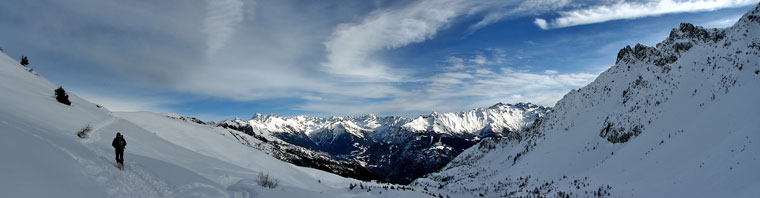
point(266, 181)
point(84, 132)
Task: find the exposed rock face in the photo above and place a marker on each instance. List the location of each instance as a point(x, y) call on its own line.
point(659, 113)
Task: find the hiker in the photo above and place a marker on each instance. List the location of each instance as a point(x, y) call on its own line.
point(119, 143)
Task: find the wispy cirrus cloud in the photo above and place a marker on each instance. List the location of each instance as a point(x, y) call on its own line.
point(632, 10)
point(352, 46)
point(222, 17)
point(722, 22)
point(468, 82)
point(521, 9)
point(320, 56)
point(127, 103)
point(491, 83)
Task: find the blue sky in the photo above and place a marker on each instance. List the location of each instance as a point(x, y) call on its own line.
point(220, 59)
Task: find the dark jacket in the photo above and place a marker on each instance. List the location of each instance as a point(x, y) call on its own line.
point(119, 142)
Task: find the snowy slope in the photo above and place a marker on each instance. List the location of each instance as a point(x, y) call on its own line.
point(676, 120)
point(499, 118)
point(165, 157)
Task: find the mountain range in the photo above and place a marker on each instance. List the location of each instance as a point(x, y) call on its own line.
point(679, 119)
point(392, 148)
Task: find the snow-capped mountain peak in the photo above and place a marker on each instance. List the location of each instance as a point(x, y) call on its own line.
point(370, 139)
point(674, 120)
point(499, 116)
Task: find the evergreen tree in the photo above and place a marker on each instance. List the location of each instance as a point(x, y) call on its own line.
point(24, 61)
point(61, 96)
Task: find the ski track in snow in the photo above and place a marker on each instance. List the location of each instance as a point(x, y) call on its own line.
point(165, 157)
point(131, 182)
point(134, 181)
point(708, 152)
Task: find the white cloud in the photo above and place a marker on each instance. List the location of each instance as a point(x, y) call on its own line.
point(520, 9)
point(222, 18)
point(463, 90)
point(479, 59)
point(541, 23)
point(455, 63)
point(311, 97)
point(351, 47)
point(206, 117)
point(463, 87)
point(631, 10)
point(301, 53)
point(721, 23)
point(489, 56)
point(127, 104)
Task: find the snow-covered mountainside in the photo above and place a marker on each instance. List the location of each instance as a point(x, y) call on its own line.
point(396, 149)
point(676, 120)
point(288, 152)
point(42, 156)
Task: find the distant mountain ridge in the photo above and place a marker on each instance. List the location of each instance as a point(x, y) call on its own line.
point(385, 144)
